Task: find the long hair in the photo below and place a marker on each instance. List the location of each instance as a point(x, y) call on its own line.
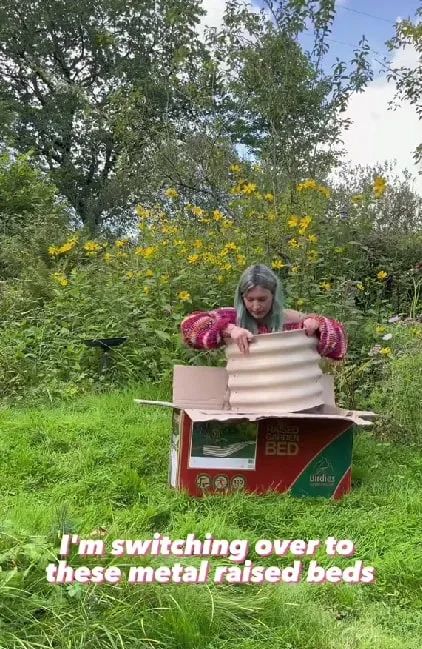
point(259, 275)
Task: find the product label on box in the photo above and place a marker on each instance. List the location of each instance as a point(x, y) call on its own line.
point(284, 441)
point(223, 445)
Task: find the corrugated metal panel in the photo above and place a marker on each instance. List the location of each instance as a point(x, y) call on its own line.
point(281, 373)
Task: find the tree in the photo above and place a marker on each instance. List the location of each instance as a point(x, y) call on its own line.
point(82, 81)
point(408, 80)
point(272, 96)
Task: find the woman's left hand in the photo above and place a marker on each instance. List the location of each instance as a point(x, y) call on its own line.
point(311, 326)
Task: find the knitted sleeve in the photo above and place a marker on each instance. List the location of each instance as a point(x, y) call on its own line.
point(332, 337)
point(204, 329)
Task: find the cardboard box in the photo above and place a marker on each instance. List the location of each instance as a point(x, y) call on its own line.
point(214, 450)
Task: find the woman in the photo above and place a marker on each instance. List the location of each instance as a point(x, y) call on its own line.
point(259, 309)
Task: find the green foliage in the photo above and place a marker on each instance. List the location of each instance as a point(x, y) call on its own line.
point(80, 80)
point(187, 258)
point(30, 212)
point(397, 397)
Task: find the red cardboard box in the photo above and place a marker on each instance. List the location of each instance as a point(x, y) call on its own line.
point(219, 451)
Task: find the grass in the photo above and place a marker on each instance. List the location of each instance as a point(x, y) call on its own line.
point(99, 466)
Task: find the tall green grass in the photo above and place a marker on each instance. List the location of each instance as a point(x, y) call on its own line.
point(99, 466)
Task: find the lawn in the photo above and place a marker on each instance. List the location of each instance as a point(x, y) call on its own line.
point(98, 467)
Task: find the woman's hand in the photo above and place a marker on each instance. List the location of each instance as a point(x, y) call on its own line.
point(241, 336)
point(311, 326)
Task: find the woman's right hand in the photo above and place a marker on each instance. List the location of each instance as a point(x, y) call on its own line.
point(241, 336)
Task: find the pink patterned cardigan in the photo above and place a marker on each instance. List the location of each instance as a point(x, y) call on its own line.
point(204, 330)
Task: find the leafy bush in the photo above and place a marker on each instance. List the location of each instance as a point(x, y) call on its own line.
point(185, 258)
point(397, 397)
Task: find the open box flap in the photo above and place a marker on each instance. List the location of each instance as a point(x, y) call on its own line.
point(202, 393)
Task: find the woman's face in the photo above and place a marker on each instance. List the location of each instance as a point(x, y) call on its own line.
point(258, 302)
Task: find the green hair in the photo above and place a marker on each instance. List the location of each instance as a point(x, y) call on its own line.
point(259, 275)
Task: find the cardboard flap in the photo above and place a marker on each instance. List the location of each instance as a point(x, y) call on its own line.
point(199, 387)
point(224, 415)
point(202, 393)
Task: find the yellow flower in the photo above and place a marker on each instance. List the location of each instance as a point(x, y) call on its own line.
point(226, 224)
point(198, 243)
point(293, 243)
point(149, 273)
point(54, 251)
point(121, 243)
point(241, 260)
point(92, 246)
point(272, 215)
point(293, 221)
point(312, 255)
point(305, 222)
point(197, 211)
point(358, 198)
point(184, 296)
point(307, 184)
point(171, 193)
point(146, 290)
point(228, 267)
point(235, 169)
point(193, 259)
point(312, 238)
point(130, 274)
point(230, 246)
point(169, 229)
point(217, 215)
point(386, 351)
point(164, 279)
point(248, 188)
point(382, 275)
point(360, 286)
point(269, 197)
point(107, 257)
point(68, 246)
point(326, 286)
point(60, 278)
point(220, 278)
point(294, 269)
point(147, 252)
point(277, 264)
point(142, 212)
point(380, 329)
point(379, 187)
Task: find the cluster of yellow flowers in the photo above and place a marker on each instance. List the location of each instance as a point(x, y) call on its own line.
point(244, 187)
point(382, 275)
point(55, 251)
point(146, 253)
point(310, 184)
point(302, 223)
